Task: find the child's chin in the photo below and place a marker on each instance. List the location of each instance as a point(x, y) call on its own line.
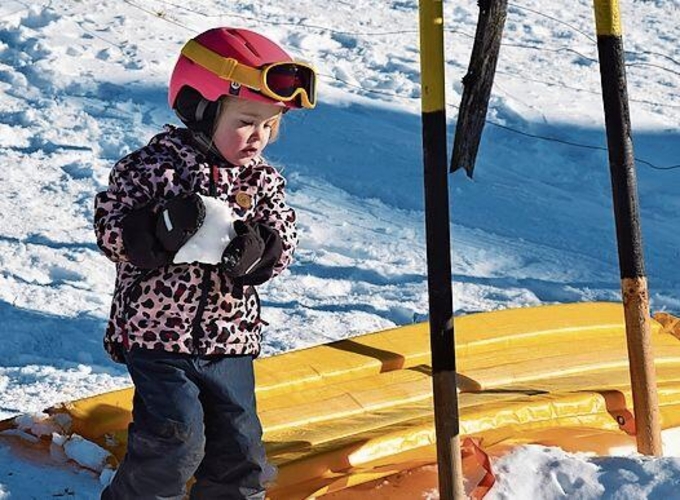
point(244, 159)
point(240, 161)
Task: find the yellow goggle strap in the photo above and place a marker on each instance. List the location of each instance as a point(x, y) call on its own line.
point(224, 67)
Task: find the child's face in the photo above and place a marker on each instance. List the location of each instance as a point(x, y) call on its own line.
point(243, 129)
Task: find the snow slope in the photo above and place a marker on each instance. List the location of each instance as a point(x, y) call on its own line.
point(83, 82)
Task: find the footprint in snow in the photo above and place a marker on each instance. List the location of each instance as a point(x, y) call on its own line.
point(313, 42)
point(60, 275)
point(77, 170)
point(39, 17)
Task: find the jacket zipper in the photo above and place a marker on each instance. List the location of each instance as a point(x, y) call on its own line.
point(259, 319)
point(207, 269)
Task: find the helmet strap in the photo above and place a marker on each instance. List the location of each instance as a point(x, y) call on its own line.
point(195, 111)
point(205, 143)
point(200, 116)
point(201, 108)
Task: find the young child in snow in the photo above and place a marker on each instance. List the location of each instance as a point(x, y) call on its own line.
point(195, 221)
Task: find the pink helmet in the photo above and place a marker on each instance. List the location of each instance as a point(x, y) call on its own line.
point(247, 47)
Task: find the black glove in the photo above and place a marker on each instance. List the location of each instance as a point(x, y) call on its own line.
point(141, 245)
point(273, 248)
point(179, 220)
point(254, 270)
point(244, 252)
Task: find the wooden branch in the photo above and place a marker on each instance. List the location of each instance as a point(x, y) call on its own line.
point(477, 84)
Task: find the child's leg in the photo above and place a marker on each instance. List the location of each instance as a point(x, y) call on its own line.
point(166, 439)
point(235, 466)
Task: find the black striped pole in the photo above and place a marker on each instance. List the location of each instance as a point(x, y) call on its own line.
point(629, 237)
point(439, 251)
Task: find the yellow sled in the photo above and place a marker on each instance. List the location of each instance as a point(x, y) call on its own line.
point(347, 412)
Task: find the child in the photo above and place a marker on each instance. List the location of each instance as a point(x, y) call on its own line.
point(194, 221)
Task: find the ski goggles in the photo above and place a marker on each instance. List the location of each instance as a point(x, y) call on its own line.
point(282, 81)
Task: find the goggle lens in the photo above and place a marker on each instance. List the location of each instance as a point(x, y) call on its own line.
point(285, 79)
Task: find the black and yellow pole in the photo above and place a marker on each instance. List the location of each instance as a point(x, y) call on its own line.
point(629, 237)
point(439, 250)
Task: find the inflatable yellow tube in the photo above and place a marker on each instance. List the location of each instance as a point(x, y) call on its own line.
point(351, 411)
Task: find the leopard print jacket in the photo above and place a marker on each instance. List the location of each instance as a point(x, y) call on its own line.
point(186, 308)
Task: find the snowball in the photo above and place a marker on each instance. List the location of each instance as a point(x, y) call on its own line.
point(43, 425)
point(20, 434)
point(86, 453)
point(106, 476)
point(212, 237)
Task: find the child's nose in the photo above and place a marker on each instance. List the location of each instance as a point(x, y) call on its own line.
point(258, 134)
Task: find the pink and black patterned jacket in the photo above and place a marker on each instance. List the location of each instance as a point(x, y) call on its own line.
point(186, 308)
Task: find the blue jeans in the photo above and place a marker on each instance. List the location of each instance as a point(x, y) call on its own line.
point(192, 416)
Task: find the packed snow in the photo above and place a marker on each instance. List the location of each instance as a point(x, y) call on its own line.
point(82, 83)
point(550, 474)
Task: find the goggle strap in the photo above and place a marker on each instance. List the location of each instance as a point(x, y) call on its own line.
point(226, 68)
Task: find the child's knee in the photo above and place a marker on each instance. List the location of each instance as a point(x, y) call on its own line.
point(177, 444)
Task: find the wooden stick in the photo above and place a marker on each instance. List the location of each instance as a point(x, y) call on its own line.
point(437, 229)
point(477, 84)
point(628, 232)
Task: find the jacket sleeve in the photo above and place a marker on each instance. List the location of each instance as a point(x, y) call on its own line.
point(274, 212)
point(131, 190)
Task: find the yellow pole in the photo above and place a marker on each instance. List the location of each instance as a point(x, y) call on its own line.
point(439, 251)
point(628, 233)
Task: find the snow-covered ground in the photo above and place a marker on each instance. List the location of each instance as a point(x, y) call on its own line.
point(83, 82)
